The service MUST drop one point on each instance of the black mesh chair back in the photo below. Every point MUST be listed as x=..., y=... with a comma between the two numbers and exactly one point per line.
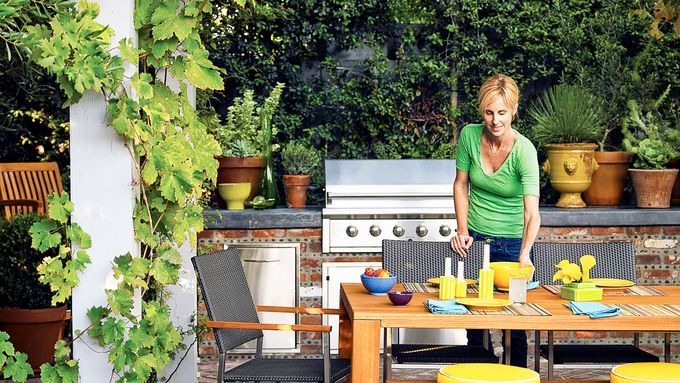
x=614, y=260
x=416, y=261
x=226, y=296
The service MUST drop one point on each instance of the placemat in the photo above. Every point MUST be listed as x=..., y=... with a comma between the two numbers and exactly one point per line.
x=640, y=310
x=633, y=290
x=531, y=309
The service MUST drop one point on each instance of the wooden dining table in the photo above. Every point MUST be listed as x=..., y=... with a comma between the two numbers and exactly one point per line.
x=364, y=315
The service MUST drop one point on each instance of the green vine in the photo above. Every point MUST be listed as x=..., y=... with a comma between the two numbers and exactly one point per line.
x=173, y=156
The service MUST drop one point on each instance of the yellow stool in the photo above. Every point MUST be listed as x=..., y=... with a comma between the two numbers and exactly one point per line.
x=651, y=372
x=486, y=372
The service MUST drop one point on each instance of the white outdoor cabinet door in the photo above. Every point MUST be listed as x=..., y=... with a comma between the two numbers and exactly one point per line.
x=333, y=274
x=271, y=271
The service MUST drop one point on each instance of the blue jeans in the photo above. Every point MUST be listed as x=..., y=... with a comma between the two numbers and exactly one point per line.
x=503, y=250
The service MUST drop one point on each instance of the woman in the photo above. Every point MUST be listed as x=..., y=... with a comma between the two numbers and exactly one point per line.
x=496, y=189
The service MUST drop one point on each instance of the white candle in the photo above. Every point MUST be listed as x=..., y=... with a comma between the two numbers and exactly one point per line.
x=487, y=256
x=461, y=264
x=447, y=266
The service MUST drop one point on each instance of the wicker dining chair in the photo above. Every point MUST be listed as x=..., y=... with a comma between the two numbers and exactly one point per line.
x=415, y=262
x=614, y=260
x=233, y=318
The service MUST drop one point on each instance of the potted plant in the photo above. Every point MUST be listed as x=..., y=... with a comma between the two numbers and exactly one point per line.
x=568, y=122
x=26, y=313
x=298, y=161
x=649, y=136
x=242, y=138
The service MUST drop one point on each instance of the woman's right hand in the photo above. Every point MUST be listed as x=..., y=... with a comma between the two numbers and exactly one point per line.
x=461, y=243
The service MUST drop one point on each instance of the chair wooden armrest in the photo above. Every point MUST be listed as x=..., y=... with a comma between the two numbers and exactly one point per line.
x=32, y=203
x=303, y=310
x=268, y=326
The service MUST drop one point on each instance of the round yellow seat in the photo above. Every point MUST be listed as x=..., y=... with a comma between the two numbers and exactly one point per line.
x=486, y=372
x=651, y=372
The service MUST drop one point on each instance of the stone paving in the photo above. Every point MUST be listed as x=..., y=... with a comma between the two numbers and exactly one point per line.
x=208, y=372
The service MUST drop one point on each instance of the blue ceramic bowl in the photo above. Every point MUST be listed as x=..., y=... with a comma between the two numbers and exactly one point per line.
x=400, y=298
x=378, y=286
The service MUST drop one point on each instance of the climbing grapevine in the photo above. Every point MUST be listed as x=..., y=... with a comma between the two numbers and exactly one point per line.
x=173, y=155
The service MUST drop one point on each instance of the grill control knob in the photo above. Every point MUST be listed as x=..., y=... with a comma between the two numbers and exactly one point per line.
x=375, y=230
x=398, y=231
x=444, y=230
x=421, y=230
x=352, y=231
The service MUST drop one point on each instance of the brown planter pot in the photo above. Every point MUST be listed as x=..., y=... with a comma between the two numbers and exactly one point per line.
x=241, y=169
x=653, y=187
x=34, y=331
x=675, y=194
x=296, y=190
x=608, y=181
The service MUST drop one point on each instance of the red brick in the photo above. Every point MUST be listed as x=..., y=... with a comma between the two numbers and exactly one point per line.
x=310, y=349
x=269, y=233
x=306, y=233
x=670, y=260
x=231, y=234
x=206, y=234
x=310, y=319
x=314, y=247
x=358, y=259
x=568, y=231
x=309, y=262
x=641, y=230
x=657, y=274
x=671, y=230
x=207, y=350
x=544, y=231
x=310, y=335
x=315, y=277
x=648, y=259
x=590, y=334
x=303, y=277
x=621, y=334
x=611, y=230
x=559, y=335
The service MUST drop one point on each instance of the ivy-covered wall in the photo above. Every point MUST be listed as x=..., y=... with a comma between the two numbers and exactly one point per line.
x=395, y=79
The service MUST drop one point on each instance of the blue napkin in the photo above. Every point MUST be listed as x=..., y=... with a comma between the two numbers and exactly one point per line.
x=593, y=309
x=532, y=285
x=445, y=307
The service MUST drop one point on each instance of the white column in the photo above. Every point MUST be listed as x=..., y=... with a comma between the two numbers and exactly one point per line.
x=101, y=189
x=183, y=296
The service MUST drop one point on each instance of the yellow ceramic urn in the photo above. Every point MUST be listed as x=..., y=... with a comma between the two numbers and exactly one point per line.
x=570, y=167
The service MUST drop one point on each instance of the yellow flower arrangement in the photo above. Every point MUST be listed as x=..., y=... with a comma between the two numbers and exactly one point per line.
x=570, y=272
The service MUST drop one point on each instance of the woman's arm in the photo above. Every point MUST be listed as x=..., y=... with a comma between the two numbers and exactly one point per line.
x=532, y=222
x=461, y=243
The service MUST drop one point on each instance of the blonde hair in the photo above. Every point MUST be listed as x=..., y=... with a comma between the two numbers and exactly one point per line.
x=498, y=85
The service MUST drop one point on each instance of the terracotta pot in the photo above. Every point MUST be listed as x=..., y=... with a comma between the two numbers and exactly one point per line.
x=675, y=194
x=570, y=167
x=608, y=181
x=241, y=169
x=296, y=190
x=34, y=331
x=653, y=187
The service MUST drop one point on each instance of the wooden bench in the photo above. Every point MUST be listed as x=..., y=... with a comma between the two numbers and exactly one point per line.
x=24, y=186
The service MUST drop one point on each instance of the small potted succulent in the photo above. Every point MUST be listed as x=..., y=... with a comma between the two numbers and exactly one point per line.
x=568, y=121
x=298, y=161
x=26, y=311
x=652, y=139
x=577, y=284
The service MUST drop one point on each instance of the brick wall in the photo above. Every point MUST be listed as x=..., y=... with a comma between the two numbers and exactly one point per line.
x=658, y=262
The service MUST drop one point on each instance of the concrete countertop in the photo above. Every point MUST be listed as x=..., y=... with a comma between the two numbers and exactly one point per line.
x=310, y=217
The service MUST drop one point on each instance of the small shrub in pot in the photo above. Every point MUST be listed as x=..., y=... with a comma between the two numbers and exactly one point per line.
x=298, y=161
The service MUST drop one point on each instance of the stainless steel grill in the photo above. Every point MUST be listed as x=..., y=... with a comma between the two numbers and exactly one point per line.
x=371, y=200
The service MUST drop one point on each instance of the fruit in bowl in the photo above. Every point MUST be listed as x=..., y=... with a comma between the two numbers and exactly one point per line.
x=400, y=298
x=503, y=270
x=379, y=283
